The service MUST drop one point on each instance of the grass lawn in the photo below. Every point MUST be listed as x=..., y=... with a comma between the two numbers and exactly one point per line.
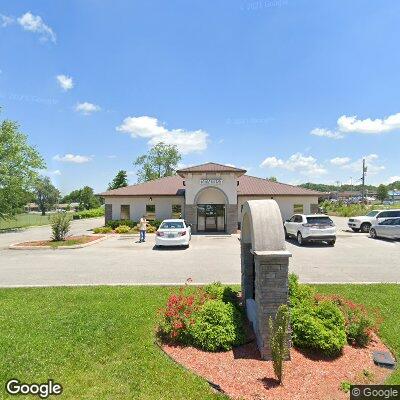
x=24, y=220
x=98, y=342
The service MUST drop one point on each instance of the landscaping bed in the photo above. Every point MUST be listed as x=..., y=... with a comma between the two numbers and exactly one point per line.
x=69, y=242
x=241, y=374
x=100, y=343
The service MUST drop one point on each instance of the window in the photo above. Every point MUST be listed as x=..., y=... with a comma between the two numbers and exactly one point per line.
x=319, y=220
x=298, y=218
x=125, y=212
x=176, y=211
x=384, y=214
x=150, y=212
x=172, y=225
x=298, y=208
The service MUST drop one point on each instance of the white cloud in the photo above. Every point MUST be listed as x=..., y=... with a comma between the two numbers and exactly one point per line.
x=340, y=161
x=326, y=133
x=111, y=156
x=6, y=20
x=369, y=126
x=306, y=165
x=66, y=82
x=71, y=158
x=371, y=161
x=393, y=179
x=87, y=108
x=35, y=23
x=353, y=124
x=150, y=128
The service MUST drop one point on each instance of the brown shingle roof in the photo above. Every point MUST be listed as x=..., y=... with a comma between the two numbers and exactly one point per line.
x=168, y=186
x=251, y=185
x=211, y=167
x=248, y=186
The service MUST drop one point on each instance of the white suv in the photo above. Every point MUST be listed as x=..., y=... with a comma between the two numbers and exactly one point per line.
x=363, y=223
x=307, y=228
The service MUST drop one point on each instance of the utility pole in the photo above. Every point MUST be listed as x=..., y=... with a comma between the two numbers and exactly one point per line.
x=363, y=181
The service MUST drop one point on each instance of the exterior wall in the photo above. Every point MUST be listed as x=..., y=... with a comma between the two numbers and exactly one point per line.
x=231, y=216
x=228, y=185
x=138, y=206
x=285, y=203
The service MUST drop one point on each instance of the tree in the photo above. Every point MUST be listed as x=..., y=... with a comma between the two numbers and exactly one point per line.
x=273, y=179
x=19, y=163
x=382, y=192
x=87, y=199
x=161, y=160
x=120, y=180
x=47, y=195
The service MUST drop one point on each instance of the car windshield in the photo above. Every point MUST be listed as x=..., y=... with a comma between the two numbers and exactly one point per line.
x=372, y=213
x=319, y=220
x=172, y=225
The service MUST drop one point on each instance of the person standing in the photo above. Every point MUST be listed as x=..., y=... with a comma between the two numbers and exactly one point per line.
x=142, y=229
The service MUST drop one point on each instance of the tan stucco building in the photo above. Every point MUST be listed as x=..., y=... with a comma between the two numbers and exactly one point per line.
x=209, y=196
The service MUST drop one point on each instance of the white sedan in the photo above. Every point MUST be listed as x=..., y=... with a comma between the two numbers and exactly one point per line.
x=173, y=232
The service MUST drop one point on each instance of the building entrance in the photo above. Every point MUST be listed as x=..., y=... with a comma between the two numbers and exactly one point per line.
x=211, y=217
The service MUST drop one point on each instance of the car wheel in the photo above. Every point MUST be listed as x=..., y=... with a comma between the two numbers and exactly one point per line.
x=373, y=234
x=286, y=234
x=332, y=243
x=356, y=229
x=365, y=227
x=300, y=239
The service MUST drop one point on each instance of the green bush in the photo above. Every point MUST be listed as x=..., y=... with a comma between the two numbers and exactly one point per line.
x=93, y=213
x=115, y=223
x=123, y=229
x=60, y=225
x=300, y=294
x=320, y=327
x=103, y=229
x=155, y=223
x=217, y=326
x=217, y=291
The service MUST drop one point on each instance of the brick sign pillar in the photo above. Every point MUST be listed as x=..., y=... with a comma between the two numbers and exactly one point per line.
x=264, y=265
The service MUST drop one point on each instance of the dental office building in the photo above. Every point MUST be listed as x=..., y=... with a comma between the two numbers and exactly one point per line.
x=208, y=196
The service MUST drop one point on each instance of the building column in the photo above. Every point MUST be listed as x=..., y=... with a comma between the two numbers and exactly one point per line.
x=231, y=211
x=107, y=212
x=191, y=216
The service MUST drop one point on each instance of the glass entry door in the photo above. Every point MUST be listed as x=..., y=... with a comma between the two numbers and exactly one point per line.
x=211, y=217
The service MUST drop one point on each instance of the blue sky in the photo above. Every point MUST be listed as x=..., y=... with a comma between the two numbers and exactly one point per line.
x=301, y=90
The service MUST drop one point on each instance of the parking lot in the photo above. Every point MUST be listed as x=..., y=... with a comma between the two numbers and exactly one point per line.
x=121, y=260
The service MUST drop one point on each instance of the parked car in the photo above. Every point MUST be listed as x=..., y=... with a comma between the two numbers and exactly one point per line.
x=364, y=223
x=389, y=228
x=173, y=232
x=311, y=228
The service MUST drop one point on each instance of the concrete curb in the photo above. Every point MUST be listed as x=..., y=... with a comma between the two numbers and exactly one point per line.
x=15, y=246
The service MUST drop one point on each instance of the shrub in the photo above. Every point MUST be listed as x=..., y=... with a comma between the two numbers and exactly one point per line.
x=122, y=229
x=151, y=229
x=359, y=323
x=217, y=291
x=178, y=314
x=93, y=213
x=299, y=294
x=115, y=223
x=155, y=223
x=278, y=330
x=320, y=327
x=60, y=225
x=217, y=326
x=103, y=229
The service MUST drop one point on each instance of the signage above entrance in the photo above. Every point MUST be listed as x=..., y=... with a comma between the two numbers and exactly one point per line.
x=212, y=181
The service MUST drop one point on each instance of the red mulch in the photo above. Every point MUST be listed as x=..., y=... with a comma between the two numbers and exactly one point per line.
x=82, y=240
x=242, y=374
